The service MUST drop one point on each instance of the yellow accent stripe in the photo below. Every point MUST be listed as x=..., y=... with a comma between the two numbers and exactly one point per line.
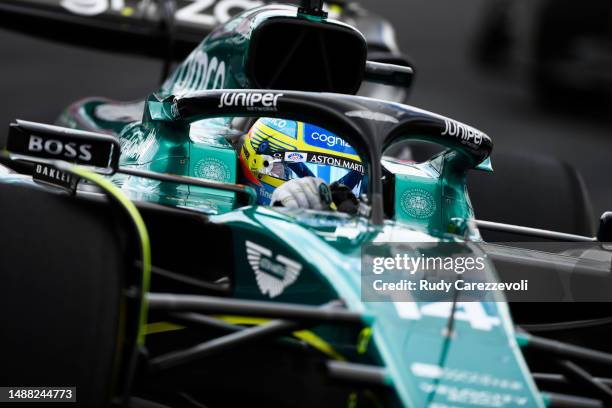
x=259, y=135
x=273, y=145
x=273, y=181
x=270, y=132
x=244, y=320
x=363, y=340
x=306, y=336
x=161, y=327
x=274, y=135
x=318, y=343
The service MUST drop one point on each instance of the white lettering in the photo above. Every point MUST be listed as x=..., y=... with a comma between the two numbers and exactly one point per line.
x=53, y=147
x=57, y=148
x=257, y=101
x=198, y=72
x=460, y=131
x=85, y=152
x=35, y=144
x=70, y=150
x=330, y=140
x=268, y=100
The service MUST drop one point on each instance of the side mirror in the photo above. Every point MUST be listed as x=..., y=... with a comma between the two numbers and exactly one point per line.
x=604, y=233
x=389, y=74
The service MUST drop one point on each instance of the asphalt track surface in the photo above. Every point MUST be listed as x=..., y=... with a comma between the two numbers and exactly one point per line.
x=39, y=78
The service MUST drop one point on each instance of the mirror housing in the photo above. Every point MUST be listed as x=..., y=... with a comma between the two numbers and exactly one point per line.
x=389, y=74
x=274, y=47
x=604, y=233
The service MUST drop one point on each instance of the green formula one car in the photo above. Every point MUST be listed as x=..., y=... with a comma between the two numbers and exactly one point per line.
x=145, y=263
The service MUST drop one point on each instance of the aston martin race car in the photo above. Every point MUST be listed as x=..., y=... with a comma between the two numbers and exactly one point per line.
x=139, y=270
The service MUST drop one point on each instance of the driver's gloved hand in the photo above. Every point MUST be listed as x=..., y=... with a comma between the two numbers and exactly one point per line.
x=306, y=192
x=345, y=200
x=312, y=193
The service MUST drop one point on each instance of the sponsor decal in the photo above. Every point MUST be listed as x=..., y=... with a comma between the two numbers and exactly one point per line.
x=286, y=127
x=296, y=157
x=431, y=371
x=465, y=133
x=329, y=140
x=264, y=193
x=375, y=116
x=470, y=396
x=198, y=72
x=213, y=169
x=319, y=158
x=418, y=203
x=136, y=144
x=61, y=144
x=253, y=101
x=336, y=162
x=318, y=137
x=273, y=275
x=278, y=124
x=50, y=175
x=476, y=314
x=71, y=150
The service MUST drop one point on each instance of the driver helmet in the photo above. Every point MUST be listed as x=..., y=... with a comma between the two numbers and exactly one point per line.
x=278, y=150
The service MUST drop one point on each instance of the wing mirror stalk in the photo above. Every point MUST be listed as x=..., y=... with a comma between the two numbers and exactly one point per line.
x=389, y=74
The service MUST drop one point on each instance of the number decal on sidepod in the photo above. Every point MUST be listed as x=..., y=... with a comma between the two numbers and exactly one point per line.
x=471, y=312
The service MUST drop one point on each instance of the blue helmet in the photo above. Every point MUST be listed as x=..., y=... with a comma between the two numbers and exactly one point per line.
x=278, y=150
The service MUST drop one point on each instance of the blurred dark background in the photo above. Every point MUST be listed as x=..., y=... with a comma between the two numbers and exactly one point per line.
x=458, y=48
